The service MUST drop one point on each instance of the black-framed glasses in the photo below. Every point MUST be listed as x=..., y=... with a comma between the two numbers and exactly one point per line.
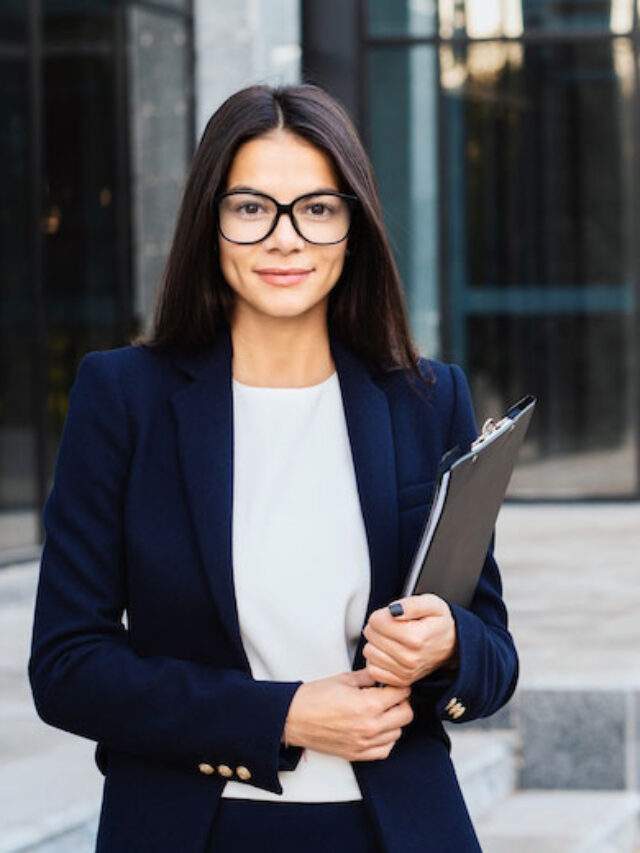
x=322, y=218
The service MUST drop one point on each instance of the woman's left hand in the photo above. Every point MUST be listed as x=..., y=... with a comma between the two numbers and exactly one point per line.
x=402, y=649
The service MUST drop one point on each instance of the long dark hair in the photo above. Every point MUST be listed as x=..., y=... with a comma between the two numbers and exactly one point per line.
x=366, y=307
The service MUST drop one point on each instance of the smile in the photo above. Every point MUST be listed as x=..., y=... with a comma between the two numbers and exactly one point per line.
x=283, y=277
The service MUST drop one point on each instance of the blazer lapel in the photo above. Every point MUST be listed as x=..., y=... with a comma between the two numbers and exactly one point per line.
x=204, y=420
x=372, y=448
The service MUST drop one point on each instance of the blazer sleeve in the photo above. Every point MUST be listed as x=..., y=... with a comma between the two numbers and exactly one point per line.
x=84, y=675
x=488, y=667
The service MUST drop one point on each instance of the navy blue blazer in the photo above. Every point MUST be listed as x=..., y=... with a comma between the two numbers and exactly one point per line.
x=138, y=522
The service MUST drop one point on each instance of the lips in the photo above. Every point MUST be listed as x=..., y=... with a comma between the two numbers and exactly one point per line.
x=283, y=276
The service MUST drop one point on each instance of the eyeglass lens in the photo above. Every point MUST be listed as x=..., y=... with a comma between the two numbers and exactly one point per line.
x=247, y=218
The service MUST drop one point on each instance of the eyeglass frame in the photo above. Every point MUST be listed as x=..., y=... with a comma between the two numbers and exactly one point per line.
x=287, y=209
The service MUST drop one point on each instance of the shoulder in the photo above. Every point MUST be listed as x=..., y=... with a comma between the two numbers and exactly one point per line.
x=129, y=369
x=444, y=383
x=442, y=403
x=123, y=359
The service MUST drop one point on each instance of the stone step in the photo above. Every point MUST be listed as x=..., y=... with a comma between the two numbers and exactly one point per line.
x=574, y=738
x=486, y=766
x=561, y=822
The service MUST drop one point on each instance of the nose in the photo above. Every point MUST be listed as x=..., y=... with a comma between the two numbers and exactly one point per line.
x=284, y=236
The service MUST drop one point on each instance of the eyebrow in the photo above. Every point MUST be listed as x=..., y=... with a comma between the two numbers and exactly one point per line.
x=245, y=188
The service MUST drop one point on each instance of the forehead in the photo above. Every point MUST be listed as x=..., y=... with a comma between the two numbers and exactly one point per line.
x=283, y=165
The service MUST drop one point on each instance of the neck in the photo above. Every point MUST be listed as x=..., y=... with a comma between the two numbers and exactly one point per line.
x=281, y=354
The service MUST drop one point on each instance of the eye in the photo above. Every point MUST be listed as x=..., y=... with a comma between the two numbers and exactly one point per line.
x=319, y=209
x=250, y=208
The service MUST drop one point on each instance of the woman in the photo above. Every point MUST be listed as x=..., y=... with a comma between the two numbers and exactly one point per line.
x=248, y=485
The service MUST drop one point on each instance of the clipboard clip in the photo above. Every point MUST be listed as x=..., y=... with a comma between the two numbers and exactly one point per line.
x=488, y=428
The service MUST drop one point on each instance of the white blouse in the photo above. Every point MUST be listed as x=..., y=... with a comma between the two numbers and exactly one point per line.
x=300, y=557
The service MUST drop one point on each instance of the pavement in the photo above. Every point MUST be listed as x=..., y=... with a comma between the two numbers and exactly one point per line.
x=570, y=575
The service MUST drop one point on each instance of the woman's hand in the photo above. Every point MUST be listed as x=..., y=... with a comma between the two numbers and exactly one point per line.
x=347, y=715
x=404, y=648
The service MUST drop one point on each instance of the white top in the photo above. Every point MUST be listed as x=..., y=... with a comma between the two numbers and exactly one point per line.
x=300, y=557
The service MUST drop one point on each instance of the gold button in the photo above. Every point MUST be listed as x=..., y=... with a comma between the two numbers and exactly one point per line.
x=225, y=770
x=243, y=773
x=207, y=769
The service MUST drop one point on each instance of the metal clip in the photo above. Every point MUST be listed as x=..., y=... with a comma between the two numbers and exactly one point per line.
x=488, y=427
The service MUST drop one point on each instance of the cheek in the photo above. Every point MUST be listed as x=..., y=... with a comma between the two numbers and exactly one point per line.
x=234, y=262
x=332, y=265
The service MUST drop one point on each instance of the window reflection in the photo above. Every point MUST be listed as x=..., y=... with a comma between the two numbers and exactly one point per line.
x=539, y=178
x=621, y=16
x=401, y=17
x=403, y=147
x=481, y=19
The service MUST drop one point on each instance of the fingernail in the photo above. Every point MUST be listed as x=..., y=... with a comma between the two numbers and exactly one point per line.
x=396, y=609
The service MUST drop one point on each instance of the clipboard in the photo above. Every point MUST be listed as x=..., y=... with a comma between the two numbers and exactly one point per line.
x=470, y=490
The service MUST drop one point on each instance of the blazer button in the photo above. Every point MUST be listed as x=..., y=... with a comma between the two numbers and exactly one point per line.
x=207, y=769
x=243, y=773
x=225, y=770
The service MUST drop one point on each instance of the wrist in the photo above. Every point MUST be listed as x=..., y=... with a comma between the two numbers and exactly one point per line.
x=289, y=736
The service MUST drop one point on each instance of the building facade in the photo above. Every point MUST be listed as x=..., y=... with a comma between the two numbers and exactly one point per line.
x=505, y=137
x=96, y=132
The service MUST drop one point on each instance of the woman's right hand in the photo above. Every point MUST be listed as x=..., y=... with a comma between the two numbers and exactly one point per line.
x=347, y=715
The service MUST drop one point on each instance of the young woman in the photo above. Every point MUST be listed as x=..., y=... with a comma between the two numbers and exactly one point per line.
x=248, y=485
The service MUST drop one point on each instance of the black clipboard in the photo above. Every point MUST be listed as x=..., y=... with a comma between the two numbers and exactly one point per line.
x=470, y=490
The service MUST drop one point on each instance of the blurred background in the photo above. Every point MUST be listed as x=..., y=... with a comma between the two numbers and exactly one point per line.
x=506, y=139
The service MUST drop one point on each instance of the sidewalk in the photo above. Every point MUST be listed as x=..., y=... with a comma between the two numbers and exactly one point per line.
x=571, y=577
x=572, y=584
x=48, y=781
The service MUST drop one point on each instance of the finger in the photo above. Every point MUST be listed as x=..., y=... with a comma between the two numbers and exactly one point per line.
x=390, y=734
x=379, y=658
x=409, y=637
x=407, y=632
x=390, y=694
x=400, y=716
x=378, y=753
x=417, y=606
x=387, y=677
x=362, y=678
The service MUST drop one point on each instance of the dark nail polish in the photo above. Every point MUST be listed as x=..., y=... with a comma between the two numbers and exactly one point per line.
x=396, y=609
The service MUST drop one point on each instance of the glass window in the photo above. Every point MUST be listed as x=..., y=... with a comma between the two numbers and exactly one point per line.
x=13, y=22
x=17, y=414
x=539, y=172
x=401, y=18
x=182, y=5
x=403, y=147
x=65, y=20
x=480, y=18
x=603, y=15
x=582, y=439
x=79, y=223
x=493, y=18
